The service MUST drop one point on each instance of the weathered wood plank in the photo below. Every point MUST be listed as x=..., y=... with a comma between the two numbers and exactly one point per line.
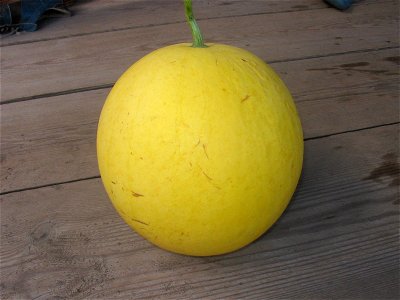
x=94, y=60
x=102, y=16
x=53, y=139
x=338, y=239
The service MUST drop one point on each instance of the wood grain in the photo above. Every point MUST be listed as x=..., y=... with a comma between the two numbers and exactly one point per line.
x=103, y=16
x=338, y=239
x=99, y=59
x=52, y=140
x=61, y=238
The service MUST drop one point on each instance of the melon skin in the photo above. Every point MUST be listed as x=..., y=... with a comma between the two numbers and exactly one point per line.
x=200, y=149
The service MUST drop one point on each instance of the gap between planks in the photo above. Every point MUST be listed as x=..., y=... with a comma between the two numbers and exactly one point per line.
x=220, y=9
x=93, y=18
x=98, y=176
x=110, y=85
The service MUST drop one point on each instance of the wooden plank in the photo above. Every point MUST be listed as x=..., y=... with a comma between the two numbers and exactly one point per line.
x=103, y=16
x=53, y=139
x=338, y=239
x=56, y=66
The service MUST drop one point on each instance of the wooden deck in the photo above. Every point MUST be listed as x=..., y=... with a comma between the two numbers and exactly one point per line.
x=339, y=238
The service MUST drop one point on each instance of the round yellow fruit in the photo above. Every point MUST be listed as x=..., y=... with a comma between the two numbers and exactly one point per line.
x=200, y=149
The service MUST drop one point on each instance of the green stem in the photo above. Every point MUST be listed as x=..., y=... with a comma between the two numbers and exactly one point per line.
x=196, y=33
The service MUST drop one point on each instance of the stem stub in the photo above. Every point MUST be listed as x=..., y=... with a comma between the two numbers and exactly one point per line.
x=194, y=27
